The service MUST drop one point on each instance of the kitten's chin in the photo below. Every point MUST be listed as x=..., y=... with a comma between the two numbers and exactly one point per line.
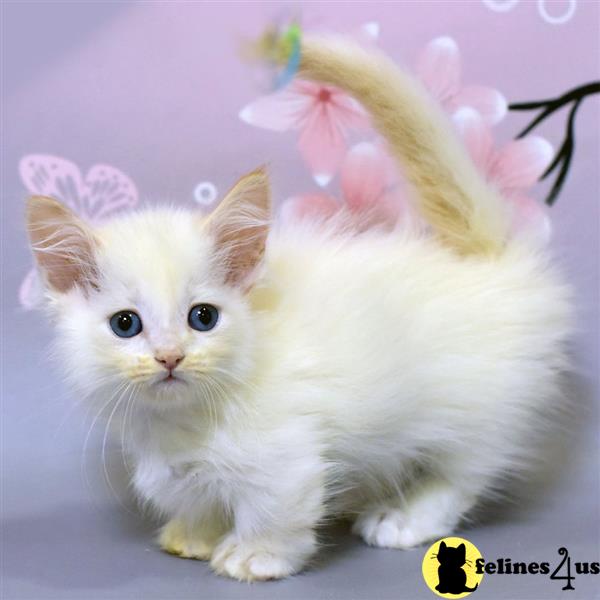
x=167, y=393
x=170, y=381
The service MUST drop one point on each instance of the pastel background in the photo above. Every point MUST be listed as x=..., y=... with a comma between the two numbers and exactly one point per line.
x=154, y=88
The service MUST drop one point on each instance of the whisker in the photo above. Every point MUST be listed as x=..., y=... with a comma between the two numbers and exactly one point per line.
x=128, y=407
x=128, y=387
x=87, y=437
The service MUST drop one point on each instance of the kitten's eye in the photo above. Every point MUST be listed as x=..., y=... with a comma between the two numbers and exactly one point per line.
x=126, y=323
x=203, y=317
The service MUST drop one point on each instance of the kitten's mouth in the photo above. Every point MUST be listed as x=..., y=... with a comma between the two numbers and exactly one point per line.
x=169, y=380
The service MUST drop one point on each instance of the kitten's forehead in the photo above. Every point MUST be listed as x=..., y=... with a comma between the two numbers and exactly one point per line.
x=156, y=257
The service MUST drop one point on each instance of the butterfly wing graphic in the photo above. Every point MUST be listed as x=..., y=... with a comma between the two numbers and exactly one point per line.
x=48, y=175
x=104, y=191
x=108, y=191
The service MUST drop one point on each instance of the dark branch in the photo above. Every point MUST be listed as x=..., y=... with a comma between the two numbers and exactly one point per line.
x=565, y=154
x=567, y=151
x=575, y=94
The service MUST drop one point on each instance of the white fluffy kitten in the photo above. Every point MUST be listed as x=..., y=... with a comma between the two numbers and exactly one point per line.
x=282, y=375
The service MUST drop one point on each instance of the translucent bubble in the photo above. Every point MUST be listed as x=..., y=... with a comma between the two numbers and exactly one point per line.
x=205, y=193
x=501, y=5
x=559, y=19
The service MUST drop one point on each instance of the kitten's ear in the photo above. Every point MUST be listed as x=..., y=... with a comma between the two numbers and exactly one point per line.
x=462, y=549
x=240, y=225
x=62, y=244
x=442, y=546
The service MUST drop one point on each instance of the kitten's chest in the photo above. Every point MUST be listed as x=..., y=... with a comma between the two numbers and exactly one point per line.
x=193, y=475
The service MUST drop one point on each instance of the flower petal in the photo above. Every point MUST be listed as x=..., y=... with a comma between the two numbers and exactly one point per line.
x=530, y=218
x=348, y=113
x=369, y=32
x=488, y=102
x=280, y=111
x=392, y=206
x=521, y=163
x=438, y=67
x=363, y=176
x=307, y=88
x=309, y=206
x=394, y=174
x=322, y=143
x=476, y=136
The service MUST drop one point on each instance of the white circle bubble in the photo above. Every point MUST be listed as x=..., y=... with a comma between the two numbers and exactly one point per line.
x=205, y=193
x=500, y=5
x=559, y=19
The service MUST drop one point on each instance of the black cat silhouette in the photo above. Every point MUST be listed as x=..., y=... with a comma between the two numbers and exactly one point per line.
x=453, y=579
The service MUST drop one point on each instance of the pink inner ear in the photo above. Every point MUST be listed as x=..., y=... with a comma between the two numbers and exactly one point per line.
x=62, y=245
x=309, y=206
x=240, y=225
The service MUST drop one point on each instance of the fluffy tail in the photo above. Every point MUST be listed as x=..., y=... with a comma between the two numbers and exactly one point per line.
x=466, y=214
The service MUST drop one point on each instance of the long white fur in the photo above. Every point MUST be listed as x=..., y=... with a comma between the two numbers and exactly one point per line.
x=380, y=376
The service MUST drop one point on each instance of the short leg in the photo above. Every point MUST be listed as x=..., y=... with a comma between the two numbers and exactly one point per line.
x=433, y=510
x=190, y=541
x=274, y=528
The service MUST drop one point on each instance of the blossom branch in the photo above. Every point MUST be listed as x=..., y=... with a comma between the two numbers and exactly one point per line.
x=562, y=160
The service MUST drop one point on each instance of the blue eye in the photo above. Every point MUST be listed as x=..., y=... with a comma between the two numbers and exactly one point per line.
x=203, y=317
x=126, y=323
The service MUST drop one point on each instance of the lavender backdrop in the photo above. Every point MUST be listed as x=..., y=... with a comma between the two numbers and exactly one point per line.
x=155, y=88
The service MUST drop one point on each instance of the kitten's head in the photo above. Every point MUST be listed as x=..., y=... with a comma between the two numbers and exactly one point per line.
x=450, y=556
x=154, y=301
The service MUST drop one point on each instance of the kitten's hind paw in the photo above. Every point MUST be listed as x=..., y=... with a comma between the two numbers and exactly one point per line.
x=389, y=527
x=258, y=560
x=431, y=512
x=176, y=539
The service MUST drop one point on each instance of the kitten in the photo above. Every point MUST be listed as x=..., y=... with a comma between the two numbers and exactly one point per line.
x=273, y=376
x=452, y=577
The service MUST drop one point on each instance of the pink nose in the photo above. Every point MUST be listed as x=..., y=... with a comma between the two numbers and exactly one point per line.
x=169, y=359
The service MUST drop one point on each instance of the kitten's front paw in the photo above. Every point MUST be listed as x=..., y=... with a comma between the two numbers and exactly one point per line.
x=175, y=538
x=388, y=527
x=260, y=560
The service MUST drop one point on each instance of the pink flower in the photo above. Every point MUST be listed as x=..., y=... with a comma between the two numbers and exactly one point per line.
x=439, y=69
x=322, y=114
x=371, y=189
x=513, y=169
